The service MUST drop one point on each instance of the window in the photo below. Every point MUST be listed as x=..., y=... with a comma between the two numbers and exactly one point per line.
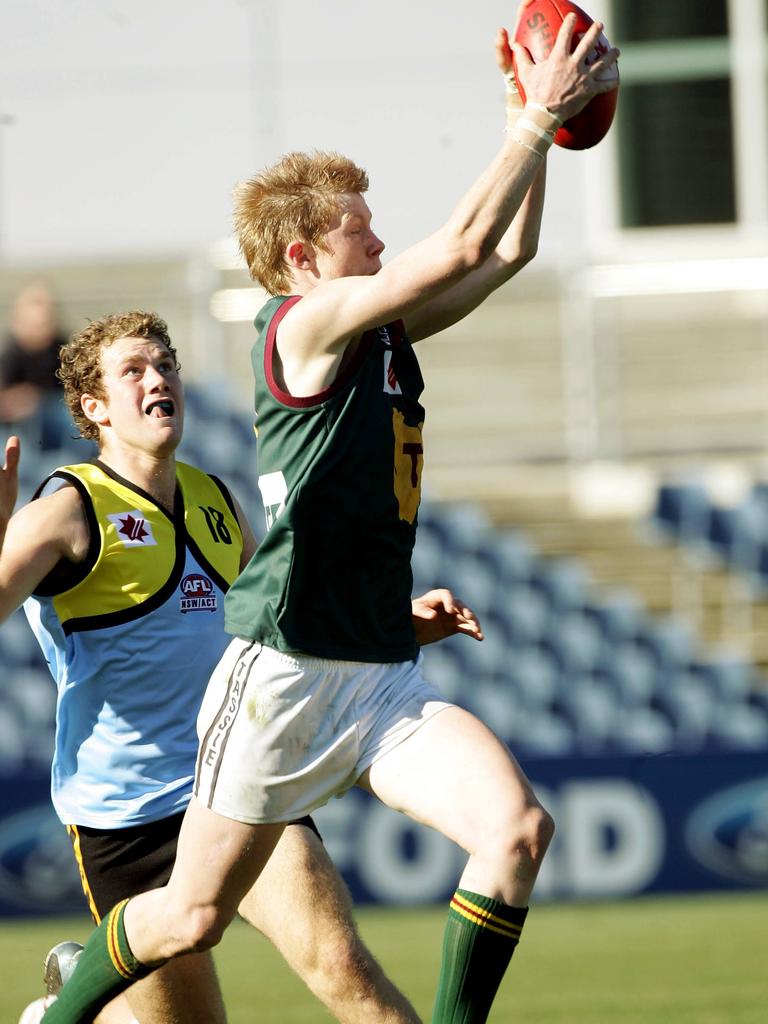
x=662, y=20
x=676, y=153
x=674, y=120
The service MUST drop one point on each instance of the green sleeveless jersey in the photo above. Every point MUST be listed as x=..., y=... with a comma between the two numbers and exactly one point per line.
x=340, y=477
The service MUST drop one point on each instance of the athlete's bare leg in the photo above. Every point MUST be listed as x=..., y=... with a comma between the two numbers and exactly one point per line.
x=300, y=885
x=116, y=1012
x=217, y=862
x=184, y=991
x=301, y=904
x=455, y=775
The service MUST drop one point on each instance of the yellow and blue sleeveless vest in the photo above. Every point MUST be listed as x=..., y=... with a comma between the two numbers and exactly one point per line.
x=131, y=636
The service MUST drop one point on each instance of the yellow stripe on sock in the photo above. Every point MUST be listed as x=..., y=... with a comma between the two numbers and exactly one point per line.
x=484, y=918
x=481, y=923
x=74, y=835
x=113, y=946
x=482, y=912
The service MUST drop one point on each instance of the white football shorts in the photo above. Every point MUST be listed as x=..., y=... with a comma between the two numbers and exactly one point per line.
x=280, y=734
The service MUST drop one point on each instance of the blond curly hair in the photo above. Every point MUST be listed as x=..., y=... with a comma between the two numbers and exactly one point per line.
x=295, y=199
x=80, y=368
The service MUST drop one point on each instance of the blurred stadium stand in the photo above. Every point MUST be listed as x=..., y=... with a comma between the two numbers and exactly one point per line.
x=561, y=419
x=568, y=666
x=612, y=646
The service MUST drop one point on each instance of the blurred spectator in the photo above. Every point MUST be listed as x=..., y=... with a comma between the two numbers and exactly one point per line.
x=30, y=393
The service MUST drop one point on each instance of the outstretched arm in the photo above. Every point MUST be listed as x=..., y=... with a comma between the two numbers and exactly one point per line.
x=335, y=311
x=438, y=614
x=517, y=247
x=36, y=537
x=9, y=484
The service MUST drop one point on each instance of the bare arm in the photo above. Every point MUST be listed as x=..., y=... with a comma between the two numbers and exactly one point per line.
x=334, y=312
x=9, y=484
x=36, y=537
x=516, y=249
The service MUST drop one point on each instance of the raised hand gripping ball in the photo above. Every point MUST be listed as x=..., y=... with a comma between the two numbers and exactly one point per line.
x=536, y=31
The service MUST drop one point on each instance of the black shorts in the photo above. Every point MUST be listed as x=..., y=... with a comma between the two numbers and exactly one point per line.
x=121, y=862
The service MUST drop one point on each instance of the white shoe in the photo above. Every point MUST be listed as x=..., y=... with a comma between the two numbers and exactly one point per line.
x=59, y=964
x=57, y=969
x=34, y=1012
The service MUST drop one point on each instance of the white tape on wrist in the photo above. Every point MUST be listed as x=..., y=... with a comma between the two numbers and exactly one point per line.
x=558, y=121
x=530, y=126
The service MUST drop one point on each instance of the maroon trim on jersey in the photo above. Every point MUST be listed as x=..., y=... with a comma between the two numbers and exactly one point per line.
x=397, y=331
x=306, y=401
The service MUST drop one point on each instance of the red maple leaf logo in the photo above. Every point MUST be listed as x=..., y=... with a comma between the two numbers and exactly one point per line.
x=133, y=529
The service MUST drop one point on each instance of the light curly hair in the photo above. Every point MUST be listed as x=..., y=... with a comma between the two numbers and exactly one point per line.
x=80, y=368
x=295, y=199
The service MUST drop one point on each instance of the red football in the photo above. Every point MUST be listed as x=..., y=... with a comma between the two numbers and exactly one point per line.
x=537, y=31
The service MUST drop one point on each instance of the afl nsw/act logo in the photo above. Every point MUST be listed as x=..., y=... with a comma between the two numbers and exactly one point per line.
x=197, y=594
x=728, y=833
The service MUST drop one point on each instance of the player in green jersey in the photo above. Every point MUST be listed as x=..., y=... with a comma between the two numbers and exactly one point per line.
x=321, y=689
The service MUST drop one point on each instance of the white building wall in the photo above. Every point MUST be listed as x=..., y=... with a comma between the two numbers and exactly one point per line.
x=125, y=124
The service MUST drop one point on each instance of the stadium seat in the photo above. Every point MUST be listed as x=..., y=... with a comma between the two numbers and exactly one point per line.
x=221, y=449
x=459, y=526
x=535, y=675
x=758, y=699
x=644, y=730
x=592, y=707
x=761, y=577
x=671, y=641
x=445, y=668
x=428, y=559
x=576, y=641
x=632, y=669
x=681, y=512
x=742, y=726
x=34, y=693
x=526, y=612
x=13, y=745
x=473, y=578
x=732, y=679
x=491, y=656
x=692, y=706
x=565, y=582
x=515, y=557
x=619, y=615
x=736, y=534
x=497, y=703
x=543, y=732
x=18, y=645
x=760, y=492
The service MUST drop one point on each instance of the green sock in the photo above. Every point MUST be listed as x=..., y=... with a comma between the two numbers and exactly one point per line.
x=480, y=937
x=104, y=969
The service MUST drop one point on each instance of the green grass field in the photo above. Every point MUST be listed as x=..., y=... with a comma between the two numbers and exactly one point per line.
x=693, y=960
